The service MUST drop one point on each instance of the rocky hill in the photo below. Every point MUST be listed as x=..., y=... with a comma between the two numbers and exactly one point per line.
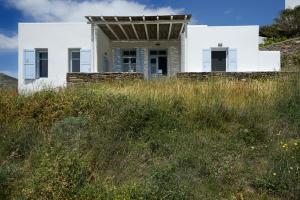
x=290, y=52
x=8, y=81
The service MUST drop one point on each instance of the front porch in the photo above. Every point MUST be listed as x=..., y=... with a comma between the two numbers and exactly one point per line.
x=150, y=45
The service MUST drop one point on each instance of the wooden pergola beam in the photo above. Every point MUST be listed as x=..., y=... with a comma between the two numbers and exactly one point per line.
x=111, y=30
x=157, y=28
x=146, y=29
x=135, y=32
x=123, y=30
x=170, y=29
x=182, y=26
x=140, y=22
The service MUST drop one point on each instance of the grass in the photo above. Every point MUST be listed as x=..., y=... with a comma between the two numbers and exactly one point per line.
x=162, y=139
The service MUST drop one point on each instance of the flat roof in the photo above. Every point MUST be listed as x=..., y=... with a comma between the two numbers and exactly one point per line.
x=160, y=27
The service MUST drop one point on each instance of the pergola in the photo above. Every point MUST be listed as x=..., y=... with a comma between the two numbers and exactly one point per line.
x=135, y=28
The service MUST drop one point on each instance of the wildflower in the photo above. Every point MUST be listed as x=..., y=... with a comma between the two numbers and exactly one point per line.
x=285, y=146
x=252, y=148
x=274, y=174
x=296, y=144
x=246, y=131
x=291, y=168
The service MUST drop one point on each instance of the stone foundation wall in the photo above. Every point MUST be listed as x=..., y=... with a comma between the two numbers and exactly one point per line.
x=232, y=75
x=99, y=77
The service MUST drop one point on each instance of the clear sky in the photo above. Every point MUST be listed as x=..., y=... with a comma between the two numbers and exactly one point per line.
x=210, y=12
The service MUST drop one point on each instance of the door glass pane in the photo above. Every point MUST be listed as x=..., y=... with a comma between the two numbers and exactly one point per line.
x=133, y=67
x=126, y=60
x=76, y=55
x=75, y=65
x=126, y=53
x=153, y=60
x=43, y=68
x=125, y=67
x=153, y=53
x=43, y=55
x=133, y=60
x=133, y=53
x=162, y=53
x=153, y=65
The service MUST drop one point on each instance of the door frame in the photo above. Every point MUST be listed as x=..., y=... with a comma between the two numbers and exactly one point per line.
x=157, y=60
x=226, y=49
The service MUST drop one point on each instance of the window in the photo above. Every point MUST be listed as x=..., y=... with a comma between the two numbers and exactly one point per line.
x=42, y=63
x=74, y=60
x=129, y=60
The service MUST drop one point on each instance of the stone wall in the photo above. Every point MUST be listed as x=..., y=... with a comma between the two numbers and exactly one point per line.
x=99, y=77
x=174, y=64
x=232, y=75
x=288, y=47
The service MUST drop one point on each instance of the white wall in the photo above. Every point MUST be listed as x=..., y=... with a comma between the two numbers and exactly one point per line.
x=103, y=46
x=244, y=38
x=269, y=61
x=58, y=38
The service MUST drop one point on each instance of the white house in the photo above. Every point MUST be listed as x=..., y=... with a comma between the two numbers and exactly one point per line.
x=291, y=4
x=150, y=45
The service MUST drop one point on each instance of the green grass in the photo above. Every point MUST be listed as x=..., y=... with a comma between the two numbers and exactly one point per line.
x=163, y=139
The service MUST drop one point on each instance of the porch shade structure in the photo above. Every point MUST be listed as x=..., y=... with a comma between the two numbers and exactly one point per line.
x=141, y=28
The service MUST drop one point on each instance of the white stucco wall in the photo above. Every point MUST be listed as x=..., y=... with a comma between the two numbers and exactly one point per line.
x=103, y=46
x=58, y=38
x=269, y=61
x=243, y=38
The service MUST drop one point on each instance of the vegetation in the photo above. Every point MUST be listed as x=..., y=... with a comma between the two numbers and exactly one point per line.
x=162, y=139
x=8, y=82
x=286, y=26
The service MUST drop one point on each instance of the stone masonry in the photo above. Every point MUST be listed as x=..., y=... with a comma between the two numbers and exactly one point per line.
x=99, y=77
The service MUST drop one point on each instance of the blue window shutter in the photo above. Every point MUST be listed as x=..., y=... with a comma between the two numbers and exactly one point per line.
x=29, y=64
x=140, y=60
x=85, y=60
x=206, y=60
x=117, y=67
x=232, y=60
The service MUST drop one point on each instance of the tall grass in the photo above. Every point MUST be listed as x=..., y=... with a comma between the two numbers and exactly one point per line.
x=161, y=139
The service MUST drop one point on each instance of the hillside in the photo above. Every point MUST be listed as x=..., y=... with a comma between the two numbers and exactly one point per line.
x=8, y=82
x=161, y=139
x=290, y=53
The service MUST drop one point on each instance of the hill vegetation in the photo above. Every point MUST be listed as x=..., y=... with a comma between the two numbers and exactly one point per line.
x=8, y=82
x=285, y=26
x=162, y=139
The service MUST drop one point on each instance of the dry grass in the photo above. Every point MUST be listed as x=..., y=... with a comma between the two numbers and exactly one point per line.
x=162, y=139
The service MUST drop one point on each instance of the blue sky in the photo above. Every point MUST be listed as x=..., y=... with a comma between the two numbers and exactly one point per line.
x=210, y=12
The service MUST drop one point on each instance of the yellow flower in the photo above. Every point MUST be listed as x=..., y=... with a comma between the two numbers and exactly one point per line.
x=296, y=144
x=274, y=174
